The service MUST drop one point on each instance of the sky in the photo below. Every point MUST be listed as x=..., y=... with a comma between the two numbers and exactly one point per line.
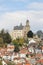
x=14, y=12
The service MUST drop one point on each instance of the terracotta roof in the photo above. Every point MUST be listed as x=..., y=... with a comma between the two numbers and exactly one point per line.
x=23, y=51
x=38, y=55
x=40, y=61
x=17, y=58
x=28, y=52
x=19, y=64
x=42, y=48
x=27, y=64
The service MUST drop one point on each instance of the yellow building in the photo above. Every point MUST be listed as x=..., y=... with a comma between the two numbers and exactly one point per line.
x=20, y=31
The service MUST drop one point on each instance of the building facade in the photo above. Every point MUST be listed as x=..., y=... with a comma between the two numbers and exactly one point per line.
x=20, y=31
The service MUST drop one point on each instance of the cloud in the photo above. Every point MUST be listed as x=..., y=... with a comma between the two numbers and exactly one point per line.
x=35, y=6
x=10, y=19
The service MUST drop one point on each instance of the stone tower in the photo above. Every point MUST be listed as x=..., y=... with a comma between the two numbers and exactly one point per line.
x=27, y=23
x=26, y=28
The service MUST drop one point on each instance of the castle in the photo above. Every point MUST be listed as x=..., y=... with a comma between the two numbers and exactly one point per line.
x=20, y=31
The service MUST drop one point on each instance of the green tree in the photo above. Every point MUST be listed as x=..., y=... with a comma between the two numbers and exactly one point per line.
x=15, y=42
x=16, y=49
x=27, y=55
x=0, y=62
x=7, y=38
x=19, y=41
x=1, y=40
x=30, y=34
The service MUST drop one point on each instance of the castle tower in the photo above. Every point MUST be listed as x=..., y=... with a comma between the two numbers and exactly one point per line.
x=27, y=23
x=26, y=28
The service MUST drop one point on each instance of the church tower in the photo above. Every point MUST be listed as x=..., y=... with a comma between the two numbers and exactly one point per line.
x=26, y=28
x=27, y=23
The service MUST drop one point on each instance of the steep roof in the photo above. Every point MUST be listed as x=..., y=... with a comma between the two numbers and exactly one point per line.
x=18, y=27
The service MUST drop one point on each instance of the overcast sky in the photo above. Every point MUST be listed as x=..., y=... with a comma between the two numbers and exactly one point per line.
x=13, y=12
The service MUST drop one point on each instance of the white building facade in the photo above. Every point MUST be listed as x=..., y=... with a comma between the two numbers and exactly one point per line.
x=20, y=31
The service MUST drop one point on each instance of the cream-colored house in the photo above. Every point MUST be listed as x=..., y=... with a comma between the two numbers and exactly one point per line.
x=20, y=31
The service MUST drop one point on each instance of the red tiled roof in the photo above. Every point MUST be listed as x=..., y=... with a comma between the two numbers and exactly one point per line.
x=27, y=64
x=19, y=64
x=42, y=48
x=23, y=51
x=41, y=60
x=39, y=55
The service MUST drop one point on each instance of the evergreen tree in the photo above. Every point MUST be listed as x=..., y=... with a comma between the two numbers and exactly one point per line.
x=30, y=34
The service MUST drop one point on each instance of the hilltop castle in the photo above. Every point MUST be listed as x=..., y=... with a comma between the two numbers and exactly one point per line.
x=20, y=31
